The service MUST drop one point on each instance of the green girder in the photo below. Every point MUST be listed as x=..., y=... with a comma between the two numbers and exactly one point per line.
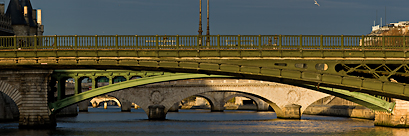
x=123, y=85
x=360, y=98
x=363, y=99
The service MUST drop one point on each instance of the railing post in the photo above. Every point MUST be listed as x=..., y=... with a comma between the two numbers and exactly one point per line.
x=239, y=42
x=157, y=45
x=35, y=42
x=404, y=46
x=280, y=43
x=137, y=42
x=177, y=45
x=177, y=42
x=157, y=42
x=300, y=41
x=75, y=42
x=342, y=42
x=259, y=42
x=96, y=42
x=321, y=42
x=218, y=42
x=55, y=42
x=15, y=42
x=198, y=42
x=116, y=42
x=383, y=42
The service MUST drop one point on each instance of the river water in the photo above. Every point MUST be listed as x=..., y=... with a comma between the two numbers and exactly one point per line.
x=113, y=122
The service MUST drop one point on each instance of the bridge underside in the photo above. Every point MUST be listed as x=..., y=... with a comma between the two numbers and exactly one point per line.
x=364, y=99
x=371, y=65
x=367, y=75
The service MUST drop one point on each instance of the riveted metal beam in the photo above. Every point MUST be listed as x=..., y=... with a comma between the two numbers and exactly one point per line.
x=363, y=99
x=123, y=85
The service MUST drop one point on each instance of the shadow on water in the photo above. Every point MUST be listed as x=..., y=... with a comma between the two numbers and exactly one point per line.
x=113, y=122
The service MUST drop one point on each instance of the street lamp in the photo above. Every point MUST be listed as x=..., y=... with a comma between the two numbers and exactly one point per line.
x=200, y=23
x=208, y=32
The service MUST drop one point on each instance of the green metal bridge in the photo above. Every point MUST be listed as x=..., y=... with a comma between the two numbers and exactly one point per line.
x=372, y=65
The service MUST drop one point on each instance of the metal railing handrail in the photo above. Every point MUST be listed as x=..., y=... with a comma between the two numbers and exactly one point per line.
x=197, y=42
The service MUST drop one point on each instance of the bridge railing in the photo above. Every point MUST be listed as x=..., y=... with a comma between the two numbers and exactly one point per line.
x=219, y=42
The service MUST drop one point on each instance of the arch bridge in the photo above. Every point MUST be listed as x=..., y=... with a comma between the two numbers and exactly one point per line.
x=372, y=65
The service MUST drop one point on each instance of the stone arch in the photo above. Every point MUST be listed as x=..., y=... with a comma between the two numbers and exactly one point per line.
x=258, y=101
x=100, y=99
x=279, y=96
x=132, y=97
x=154, y=93
x=11, y=92
x=213, y=103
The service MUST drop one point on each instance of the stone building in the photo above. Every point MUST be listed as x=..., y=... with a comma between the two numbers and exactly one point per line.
x=20, y=19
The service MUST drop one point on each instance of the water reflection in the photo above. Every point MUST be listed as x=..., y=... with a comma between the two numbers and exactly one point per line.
x=108, y=122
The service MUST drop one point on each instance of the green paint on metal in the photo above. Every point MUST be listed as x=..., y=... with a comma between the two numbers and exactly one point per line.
x=123, y=85
x=366, y=100
x=364, y=63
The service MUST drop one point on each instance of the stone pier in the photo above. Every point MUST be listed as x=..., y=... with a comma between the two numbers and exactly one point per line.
x=292, y=111
x=398, y=118
x=29, y=89
x=157, y=112
x=126, y=106
x=174, y=108
x=83, y=106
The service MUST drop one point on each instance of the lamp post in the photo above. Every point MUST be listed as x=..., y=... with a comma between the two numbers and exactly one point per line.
x=200, y=23
x=207, y=32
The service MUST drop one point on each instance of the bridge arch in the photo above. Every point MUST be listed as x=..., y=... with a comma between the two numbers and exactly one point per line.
x=168, y=93
x=149, y=96
x=97, y=100
x=260, y=103
x=11, y=92
x=218, y=99
x=214, y=104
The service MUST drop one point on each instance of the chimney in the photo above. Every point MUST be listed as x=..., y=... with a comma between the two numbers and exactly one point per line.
x=2, y=8
x=39, y=17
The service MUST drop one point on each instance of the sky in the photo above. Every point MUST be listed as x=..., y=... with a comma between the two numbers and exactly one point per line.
x=227, y=17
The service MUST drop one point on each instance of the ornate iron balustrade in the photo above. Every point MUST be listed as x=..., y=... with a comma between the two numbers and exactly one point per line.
x=219, y=42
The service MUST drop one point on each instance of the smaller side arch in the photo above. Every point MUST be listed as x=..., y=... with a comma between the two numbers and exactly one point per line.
x=11, y=92
x=216, y=106
x=99, y=99
x=261, y=104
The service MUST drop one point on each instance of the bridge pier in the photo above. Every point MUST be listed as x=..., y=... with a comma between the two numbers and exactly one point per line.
x=33, y=87
x=217, y=107
x=398, y=118
x=174, y=108
x=157, y=112
x=126, y=106
x=292, y=111
x=83, y=106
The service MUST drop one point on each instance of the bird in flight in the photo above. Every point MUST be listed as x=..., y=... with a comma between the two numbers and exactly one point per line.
x=316, y=3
